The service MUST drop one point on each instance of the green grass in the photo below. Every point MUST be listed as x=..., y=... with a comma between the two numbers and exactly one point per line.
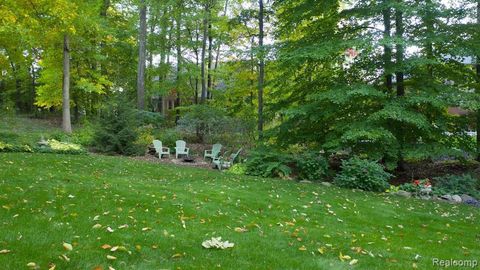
x=48, y=199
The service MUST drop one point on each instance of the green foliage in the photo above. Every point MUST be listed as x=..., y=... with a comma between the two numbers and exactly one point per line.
x=168, y=137
x=238, y=169
x=207, y=122
x=267, y=162
x=362, y=174
x=153, y=119
x=116, y=130
x=457, y=184
x=311, y=166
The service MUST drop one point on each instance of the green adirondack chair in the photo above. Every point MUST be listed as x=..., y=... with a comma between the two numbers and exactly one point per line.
x=181, y=148
x=223, y=163
x=216, y=148
x=160, y=149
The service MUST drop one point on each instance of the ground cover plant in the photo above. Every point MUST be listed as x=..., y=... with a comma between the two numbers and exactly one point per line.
x=157, y=216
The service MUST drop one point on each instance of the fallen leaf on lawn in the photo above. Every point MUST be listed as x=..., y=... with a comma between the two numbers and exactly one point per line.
x=67, y=246
x=97, y=226
x=4, y=251
x=321, y=250
x=114, y=248
x=32, y=265
x=52, y=267
x=96, y=218
x=110, y=230
x=123, y=226
x=111, y=268
x=240, y=230
x=177, y=255
x=354, y=261
x=64, y=257
x=343, y=257
x=106, y=246
x=110, y=257
x=146, y=229
x=302, y=248
x=98, y=268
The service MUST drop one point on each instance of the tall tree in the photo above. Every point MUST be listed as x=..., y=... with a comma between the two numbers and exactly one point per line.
x=387, y=48
x=203, y=53
x=142, y=40
x=66, y=121
x=261, y=73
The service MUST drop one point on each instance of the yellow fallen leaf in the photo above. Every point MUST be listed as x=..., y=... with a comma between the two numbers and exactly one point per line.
x=240, y=230
x=64, y=257
x=4, y=251
x=106, y=246
x=97, y=226
x=67, y=246
x=321, y=250
x=52, y=267
x=32, y=265
x=177, y=255
x=302, y=248
x=354, y=261
x=110, y=257
x=111, y=268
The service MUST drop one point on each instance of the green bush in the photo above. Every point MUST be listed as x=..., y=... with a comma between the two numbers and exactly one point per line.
x=269, y=162
x=362, y=174
x=238, y=169
x=10, y=147
x=146, y=118
x=84, y=135
x=169, y=136
x=54, y=146
x=457, y=185
x=311, y=166
x=116, y=129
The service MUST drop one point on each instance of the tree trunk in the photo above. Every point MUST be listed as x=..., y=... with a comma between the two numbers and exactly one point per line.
x=261, y=74
x=478, y=85
x=429, y=21
x=179, y=58
x=66, y=121
x=387, y=55
x=210, y=59
x=141, y=56
x=400, y=51
x=204, y=48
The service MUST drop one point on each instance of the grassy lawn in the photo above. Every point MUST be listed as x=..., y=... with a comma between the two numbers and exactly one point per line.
x=49, y=199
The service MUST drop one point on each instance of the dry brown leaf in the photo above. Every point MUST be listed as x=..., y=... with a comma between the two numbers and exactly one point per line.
x=106, y=246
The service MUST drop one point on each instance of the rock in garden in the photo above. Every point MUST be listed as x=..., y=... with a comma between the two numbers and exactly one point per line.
x=446, y=197
x=327, y=184
x=305, y=182
x=456, y=198
x=466, y=197
x=403, y=193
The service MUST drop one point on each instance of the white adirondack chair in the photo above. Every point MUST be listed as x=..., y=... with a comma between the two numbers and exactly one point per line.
x=181, y=148
x=160, y=149
x=216, y=148
x=225, y=163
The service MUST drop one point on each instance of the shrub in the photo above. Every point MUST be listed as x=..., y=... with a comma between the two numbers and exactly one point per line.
x=238, y=169
x=206, y=122
x=84, y=135
x=311, y=166
x=153, y=119
x=457, y=184
x=269, y=162
x=116, y=129
x=362, y=174
x=168, y=137
x=54, y=146
x=145, y=137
